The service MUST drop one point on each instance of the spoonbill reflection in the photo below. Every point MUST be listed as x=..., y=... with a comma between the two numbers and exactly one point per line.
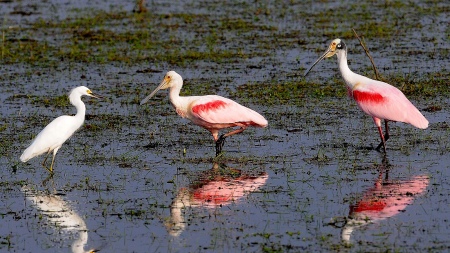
x=60, y=214
x=378, y=99
x=211, y=112
x=385, y=199
x=217, y=187
x=52, y=137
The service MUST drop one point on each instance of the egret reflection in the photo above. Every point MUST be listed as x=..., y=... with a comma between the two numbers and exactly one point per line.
x=59, y=214
x=385, y=199
x=216, y=187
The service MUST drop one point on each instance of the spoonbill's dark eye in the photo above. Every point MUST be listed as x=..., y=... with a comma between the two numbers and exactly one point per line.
x=341, y=45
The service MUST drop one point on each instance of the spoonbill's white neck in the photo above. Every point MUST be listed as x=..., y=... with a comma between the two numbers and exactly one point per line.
x=174, y=94
x=347, y=74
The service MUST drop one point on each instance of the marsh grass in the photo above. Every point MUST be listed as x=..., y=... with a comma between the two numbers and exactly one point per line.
x=299, y=92
x=92, y=38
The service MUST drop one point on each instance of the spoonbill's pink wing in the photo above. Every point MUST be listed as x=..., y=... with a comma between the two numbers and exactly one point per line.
x=219, y=110
x=384, y=101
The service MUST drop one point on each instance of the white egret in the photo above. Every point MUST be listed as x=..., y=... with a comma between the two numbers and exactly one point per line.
x=59, y=130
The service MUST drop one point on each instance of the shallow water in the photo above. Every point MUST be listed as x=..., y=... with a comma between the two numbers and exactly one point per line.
x=141, y=179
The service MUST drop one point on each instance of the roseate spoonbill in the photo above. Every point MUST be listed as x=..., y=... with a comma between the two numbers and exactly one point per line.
x=59, y=130
x=211, y=112
x=378, y=99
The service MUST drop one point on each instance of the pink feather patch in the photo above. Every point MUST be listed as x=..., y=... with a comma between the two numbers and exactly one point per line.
x=362, y=96
x=208, y=106
x=370, y=205
x=213, y=197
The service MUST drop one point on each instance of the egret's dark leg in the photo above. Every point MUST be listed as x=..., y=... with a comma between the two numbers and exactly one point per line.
x=53, y=160
x=46, y=156
x=383, y=137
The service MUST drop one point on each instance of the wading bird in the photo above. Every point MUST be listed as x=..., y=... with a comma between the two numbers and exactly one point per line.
x=378, y=99
x=211, y=112
x=59, y=130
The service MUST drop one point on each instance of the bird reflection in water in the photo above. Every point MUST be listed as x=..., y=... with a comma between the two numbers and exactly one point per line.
x=60, y=214
x=385, y=199
x=213, y=188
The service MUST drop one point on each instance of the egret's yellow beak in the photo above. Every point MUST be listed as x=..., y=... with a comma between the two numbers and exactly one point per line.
x=90, y=94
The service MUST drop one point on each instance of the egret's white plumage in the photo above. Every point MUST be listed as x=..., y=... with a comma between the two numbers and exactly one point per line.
x=211, y=112
x=378, y=99
x=59, y=130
